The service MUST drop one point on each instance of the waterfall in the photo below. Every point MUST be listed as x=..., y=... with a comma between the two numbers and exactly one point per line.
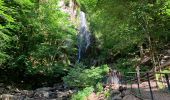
x=83, y=37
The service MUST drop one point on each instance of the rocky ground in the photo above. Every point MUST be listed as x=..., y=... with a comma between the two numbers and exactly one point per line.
x=58, y=92
x=46, y=93
x=119, y=93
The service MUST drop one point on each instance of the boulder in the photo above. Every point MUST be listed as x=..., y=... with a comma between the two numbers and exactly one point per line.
x=1, y=90
x=27, y=93
x=53, y=95
x=117, y=97
x=44, y=89
x=62, y=94
x=42, y=94
x=115, y=92
x=17, y=90
x=1, y=84
x=130, y=97
x=9, y=87
x=8, y=97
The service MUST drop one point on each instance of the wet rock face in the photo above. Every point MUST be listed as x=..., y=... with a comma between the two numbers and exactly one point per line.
x=44, y=93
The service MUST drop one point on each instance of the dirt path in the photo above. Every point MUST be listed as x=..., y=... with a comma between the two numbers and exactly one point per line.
x=145, y=91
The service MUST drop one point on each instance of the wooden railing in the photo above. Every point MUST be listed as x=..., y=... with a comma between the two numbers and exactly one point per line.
x=133, y=78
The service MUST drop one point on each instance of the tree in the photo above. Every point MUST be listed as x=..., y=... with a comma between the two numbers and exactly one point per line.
x=125, y=26
x=43, y=39
x=5, y=36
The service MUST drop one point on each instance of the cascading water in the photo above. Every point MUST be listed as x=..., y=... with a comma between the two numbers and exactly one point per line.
x=83, y=37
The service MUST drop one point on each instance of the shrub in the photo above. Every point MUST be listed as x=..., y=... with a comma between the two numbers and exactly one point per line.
x=79, y=76
x=99, y=87
x=82, y=95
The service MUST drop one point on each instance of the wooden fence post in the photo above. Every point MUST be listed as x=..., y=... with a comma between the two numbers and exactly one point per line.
x=138, y=81
x=167, y=80
x=150, y=86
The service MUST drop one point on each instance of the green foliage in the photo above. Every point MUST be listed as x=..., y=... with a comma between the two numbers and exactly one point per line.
x=110, y=22
x=52, y=54
x=99, y=87
x=81, y=77
x=107, y=94
x=41, y=39
x=87, y=5
x=122, y=26
x=36, y=37
x=53, y=70
x=26, y=3
x=161, y=77
x=5, y=37
x=82, y=95
x=126, y=65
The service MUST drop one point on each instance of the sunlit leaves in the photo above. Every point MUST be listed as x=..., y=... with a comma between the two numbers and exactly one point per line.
x=42, y=39
x=58, y=34
x=5, y=22
x=87, y=5
x=80, y=76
